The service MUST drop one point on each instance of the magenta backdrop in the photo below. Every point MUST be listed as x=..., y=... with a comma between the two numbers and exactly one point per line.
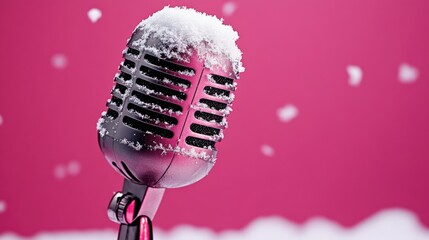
x=351, y=150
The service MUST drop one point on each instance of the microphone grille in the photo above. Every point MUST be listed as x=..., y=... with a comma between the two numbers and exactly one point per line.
x=168, y=106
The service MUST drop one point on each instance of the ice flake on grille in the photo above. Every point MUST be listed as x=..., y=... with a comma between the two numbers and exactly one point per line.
x=100, y=127
x=185, y=152
x=187, y=73
x=137, y=101
x=135, y=145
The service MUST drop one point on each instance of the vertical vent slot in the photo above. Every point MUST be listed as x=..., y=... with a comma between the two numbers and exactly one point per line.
x=129, y=64
x=150, y=115
x=147, y=128
x=120, y=88
x=124, y=76
x=163, y=77
x=120, y=170
x=213, y=104
x=208, y=117
x=220, y=80
x=129, y=172
x=151, y=100
x=160, y=90
x=197, y=128
x=201, y=143
x=215, y=91
x=112, y=114
x=170, y=66
x=133, y=51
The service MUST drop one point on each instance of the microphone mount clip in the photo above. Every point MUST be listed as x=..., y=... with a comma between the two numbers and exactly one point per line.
x=134, y=209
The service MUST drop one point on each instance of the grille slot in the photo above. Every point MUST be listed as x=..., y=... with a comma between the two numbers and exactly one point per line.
x=133, y=51
x=129, y=172
x=129, y=64
x=221, y=80
x=197, y=128
x=161, y=90
x=151, y=100
x=198, y=142
x=154, y=116
x=147, y=128
x=125, y=76
x=213, y=104
x=163, y=77
x=121, y=88
x=115, y=101
x=170, y=66
x=112, y=114
x=208, y=117
x=215, y=91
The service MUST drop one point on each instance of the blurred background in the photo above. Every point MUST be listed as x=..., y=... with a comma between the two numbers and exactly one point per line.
x=328, y=137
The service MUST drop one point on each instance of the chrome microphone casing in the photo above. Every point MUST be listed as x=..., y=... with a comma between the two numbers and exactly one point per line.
x=143, y=136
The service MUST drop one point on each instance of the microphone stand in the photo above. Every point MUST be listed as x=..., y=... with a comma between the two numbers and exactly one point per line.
x=134, y=208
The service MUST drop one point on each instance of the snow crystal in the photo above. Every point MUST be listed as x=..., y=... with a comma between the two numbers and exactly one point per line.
x=2, y=206
x=100, y=128
x=192, y=153
x=136, y=145
x=287, y=113
x=226, y=111
x=187, y=73
x=122, y=95
x=229, y=8
x=94, y=14
x=59, y=61
x=217, y=137
x=267, y=150
x=355, y=75
x=407, y=73
x=182, y=29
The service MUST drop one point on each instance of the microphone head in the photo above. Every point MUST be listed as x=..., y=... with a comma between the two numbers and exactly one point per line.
x=171, y=98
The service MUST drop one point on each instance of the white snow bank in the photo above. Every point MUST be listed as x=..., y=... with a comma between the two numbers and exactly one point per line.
x=393, y=224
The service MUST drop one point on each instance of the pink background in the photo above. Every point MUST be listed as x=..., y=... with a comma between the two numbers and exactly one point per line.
x=350, y=152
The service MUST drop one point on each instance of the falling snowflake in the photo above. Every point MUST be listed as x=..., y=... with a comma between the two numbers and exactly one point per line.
x=73, y=168
x=267, y=150
x=60, y=172
x=94, y=14
x=287, y=113
x=355, y=75
x=407, y=73
x=229, y=8
x=2, y=206
x=59, y=61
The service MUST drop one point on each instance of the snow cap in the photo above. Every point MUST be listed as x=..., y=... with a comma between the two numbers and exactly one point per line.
x=182, y=30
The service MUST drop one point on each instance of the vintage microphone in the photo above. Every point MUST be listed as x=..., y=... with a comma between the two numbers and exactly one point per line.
x=168, y=110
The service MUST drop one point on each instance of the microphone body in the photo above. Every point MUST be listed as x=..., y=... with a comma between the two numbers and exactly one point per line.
x=167, y=110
